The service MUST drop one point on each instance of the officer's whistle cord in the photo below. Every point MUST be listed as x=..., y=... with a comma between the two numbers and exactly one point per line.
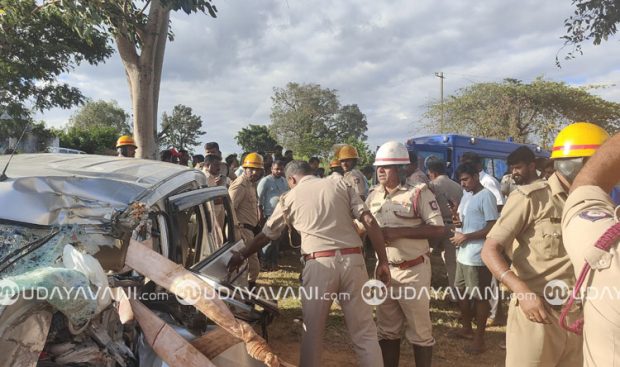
x=605, y=242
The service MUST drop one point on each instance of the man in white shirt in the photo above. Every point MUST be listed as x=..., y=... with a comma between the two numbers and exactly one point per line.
x=473, y=278
x=490, y=183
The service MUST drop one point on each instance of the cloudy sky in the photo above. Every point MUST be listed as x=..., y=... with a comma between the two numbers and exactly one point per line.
x=381, y=55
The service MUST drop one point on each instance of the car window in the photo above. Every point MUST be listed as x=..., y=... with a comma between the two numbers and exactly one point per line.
x=495, y=167
x=191, y=225
x=423, y=157
x=202, y=226
x=500, y=168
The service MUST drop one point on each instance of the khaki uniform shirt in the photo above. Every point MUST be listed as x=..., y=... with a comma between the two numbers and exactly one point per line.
x=244, y=200
x=406, y=207
x=218, y=206
x=588, y=213
x=322, y=211
x=211, y=180
x=357, y=180
x=417, y=177
x=445, y=189
x=532, y=216
x=335, y=176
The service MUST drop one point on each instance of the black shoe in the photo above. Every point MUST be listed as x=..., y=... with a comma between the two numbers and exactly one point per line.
x=423, y=356
x=390, y=349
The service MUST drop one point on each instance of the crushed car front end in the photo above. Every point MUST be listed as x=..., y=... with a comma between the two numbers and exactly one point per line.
x=97, y=256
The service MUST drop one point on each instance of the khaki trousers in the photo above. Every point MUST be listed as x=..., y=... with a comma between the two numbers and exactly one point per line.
x=407, y=306
x=546, y=345
x=449, y=258
x=601, y=337
x=253, y=263
x=323, y=279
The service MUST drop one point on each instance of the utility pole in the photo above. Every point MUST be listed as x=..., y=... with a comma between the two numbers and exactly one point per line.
x=441, y=78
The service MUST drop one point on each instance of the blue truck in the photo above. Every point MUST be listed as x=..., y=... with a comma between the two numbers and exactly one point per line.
x=450, y=148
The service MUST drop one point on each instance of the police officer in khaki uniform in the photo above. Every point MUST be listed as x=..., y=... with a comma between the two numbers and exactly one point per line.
x=531, y=216
x=588, y=214
x=408, y=216
x=126, y=146
x=335, y=171
x=213, y=148
x=245, y=205
x=414, y=174
x=448, y=194
x=211, y=169
x=323, y=212
x=347, y=155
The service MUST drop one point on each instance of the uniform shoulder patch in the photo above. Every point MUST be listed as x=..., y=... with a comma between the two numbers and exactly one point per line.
x=527, y=190
x=594, y=215
x=434, y=205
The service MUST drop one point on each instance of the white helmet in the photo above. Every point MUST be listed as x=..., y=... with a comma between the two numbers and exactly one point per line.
x=392, y=153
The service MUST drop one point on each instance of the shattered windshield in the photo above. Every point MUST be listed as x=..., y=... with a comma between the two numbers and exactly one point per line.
x=23, y=248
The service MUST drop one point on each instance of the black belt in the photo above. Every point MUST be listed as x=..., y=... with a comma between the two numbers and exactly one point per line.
x=255, y=229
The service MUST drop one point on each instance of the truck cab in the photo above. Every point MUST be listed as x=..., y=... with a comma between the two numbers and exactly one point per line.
x=450, y=148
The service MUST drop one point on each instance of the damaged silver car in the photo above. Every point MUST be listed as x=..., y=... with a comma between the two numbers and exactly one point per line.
x=110, y=261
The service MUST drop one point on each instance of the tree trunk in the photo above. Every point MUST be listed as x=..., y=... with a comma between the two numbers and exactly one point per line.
x=144, y=119
x=144, y=77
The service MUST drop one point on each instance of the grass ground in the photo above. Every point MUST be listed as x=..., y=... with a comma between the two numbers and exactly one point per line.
x=285, y=331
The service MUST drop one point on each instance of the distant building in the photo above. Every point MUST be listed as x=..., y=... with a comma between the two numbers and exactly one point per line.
x=30, y=144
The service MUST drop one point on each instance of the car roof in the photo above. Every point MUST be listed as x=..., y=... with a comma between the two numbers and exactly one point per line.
x=138, y=171
x=50, y=189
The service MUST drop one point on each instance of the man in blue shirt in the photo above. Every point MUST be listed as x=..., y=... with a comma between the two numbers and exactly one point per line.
x=473, y=279
x=269, y=190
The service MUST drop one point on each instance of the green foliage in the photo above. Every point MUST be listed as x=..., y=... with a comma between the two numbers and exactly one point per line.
x=13, y=128
x=181, y=129
x=42, y=133
x=594, y=20
x=94, y=140
x=37, y=45
x=367, y=156
x=309, y=119
x=101, y=113
x=41, y=39
x=122, y=18
x=254, y=138
x=532, y=112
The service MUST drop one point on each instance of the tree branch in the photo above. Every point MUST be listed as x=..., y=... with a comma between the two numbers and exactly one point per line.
x=144, y=8
x=126, y=49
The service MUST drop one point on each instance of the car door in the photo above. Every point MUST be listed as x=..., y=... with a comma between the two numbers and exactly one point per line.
x=196, y=227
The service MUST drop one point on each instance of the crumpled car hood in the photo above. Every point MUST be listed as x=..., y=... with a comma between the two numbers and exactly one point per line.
x=60, y=189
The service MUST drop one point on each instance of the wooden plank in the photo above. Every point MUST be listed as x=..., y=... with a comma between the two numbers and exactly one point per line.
x=165, y=341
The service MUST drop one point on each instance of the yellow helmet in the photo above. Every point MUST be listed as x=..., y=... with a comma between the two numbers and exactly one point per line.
x=253, y=160
x=334, y=163
x=125, y=140
x=580, y=139
x=347, y=152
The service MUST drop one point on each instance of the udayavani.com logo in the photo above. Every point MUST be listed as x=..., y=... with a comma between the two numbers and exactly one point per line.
x=374, y=292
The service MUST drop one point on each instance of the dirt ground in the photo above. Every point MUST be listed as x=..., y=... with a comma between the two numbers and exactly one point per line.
x=285, y=331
